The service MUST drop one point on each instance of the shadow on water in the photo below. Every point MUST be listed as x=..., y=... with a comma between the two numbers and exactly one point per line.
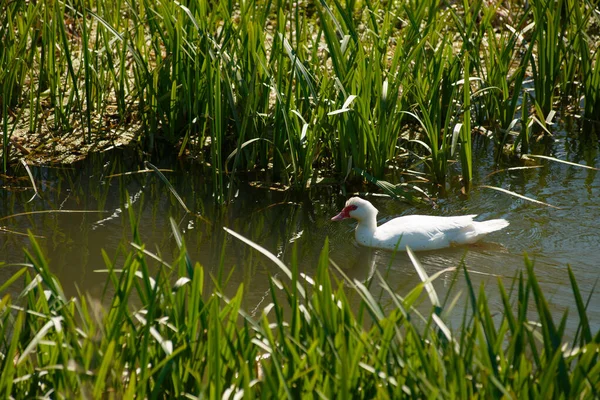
x=277, y=221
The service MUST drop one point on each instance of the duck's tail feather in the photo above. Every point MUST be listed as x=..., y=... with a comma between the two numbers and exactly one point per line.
x=492, y=225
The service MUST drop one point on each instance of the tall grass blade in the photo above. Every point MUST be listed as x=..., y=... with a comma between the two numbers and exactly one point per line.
x=433, y=297
x=39, y=335
x=269, y=255
x=181, y=245
x=584, y=325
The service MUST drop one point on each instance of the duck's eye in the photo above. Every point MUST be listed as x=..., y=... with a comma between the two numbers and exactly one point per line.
x=351, y=208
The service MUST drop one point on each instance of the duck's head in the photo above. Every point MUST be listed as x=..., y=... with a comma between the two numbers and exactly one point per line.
x=358, y=209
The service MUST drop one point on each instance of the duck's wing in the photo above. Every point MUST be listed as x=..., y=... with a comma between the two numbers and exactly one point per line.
x=422, y=232
x=426, y=225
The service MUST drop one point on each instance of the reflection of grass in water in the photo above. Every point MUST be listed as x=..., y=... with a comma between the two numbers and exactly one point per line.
x=182, y=340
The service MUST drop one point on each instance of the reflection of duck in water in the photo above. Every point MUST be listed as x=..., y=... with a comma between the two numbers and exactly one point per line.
x=419, y=232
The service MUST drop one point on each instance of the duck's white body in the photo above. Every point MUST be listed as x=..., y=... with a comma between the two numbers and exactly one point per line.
x=419, y=232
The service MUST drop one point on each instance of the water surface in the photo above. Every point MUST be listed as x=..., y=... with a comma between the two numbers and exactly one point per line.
x=553, y=238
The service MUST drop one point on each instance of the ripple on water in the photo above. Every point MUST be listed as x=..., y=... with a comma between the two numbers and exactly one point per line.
x=552, y=238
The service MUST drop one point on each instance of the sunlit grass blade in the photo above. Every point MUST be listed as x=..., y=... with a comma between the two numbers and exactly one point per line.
x=104, y=370
x=514, y=169
x=141, y=171
x=435, y=301
x=12, y=279
x=520, y=196
x=560, y=161
x=36, y=194
x=345, y=106
x=51, y=212
x=39, y=335
x=269, y=255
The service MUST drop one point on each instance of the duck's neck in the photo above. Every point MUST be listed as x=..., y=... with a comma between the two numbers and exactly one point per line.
x=366, y=229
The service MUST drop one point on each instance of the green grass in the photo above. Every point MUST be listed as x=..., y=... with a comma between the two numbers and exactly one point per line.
x=163, y=334
x=320, y=89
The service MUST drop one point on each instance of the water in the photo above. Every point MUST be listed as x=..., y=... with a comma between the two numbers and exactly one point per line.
x=553, y=238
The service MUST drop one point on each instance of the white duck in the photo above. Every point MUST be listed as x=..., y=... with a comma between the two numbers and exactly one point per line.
x=419, y=232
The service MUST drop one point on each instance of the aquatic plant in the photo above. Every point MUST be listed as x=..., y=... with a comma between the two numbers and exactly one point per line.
x=295, y=89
